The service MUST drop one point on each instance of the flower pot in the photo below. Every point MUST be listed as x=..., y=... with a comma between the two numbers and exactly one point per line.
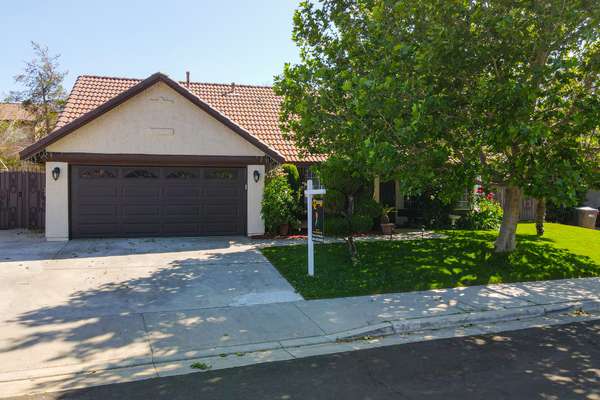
x=284, y=229
x=387, y=229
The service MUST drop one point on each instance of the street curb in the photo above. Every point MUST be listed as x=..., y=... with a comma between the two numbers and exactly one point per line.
x=407, y=326
x=404, y=327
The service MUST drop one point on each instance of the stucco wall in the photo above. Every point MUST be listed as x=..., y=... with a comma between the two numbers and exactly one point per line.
x=57, y=202
x=156, y=121
x=256, y=225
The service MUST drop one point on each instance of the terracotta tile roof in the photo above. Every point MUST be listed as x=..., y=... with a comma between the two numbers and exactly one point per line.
x=14, y=112
x=254, y=108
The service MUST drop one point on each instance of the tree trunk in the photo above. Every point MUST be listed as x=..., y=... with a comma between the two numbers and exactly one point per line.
x=352, y=248
x=350, y=239
x=507, y=238
x=540, y=216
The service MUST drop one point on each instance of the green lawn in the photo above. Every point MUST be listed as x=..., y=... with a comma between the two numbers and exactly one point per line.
x=464, y=258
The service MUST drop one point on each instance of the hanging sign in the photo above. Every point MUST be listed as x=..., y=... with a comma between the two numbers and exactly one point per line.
x=313, y=216
x=318, y=215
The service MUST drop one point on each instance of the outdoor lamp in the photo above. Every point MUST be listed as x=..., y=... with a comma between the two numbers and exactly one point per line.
x=256, y=175
x=55, y=173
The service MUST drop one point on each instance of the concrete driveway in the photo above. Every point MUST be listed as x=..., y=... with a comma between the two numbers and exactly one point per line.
x=68, y=306
x=112, y=276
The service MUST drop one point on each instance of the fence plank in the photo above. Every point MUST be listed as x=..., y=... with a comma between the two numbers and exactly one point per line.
x=528, y=205
x=22, y=199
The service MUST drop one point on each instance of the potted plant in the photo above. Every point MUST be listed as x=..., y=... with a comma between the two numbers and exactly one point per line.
x=387, y=227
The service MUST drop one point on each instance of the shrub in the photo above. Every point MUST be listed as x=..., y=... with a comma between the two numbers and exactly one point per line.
x=362, y=223
x=293, y=177
x=278, y=204
x=367, y=206
x=485, y=214
x=337, y=225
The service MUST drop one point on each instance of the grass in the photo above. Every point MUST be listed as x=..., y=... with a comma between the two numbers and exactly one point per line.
x=464, y=258
x=201, y=366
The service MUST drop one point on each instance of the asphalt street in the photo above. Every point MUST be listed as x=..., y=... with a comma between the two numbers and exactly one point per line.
x=559, y=362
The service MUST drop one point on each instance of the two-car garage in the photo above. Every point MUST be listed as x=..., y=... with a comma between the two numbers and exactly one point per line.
x=130, y=201
x=154, y=157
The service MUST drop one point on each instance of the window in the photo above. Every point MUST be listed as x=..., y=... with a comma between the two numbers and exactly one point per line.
x=181, y=175
x=141, y=174
x=97, y=173
x=222, y=174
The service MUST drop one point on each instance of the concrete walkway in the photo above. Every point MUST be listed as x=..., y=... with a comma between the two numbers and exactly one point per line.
x=76, y=352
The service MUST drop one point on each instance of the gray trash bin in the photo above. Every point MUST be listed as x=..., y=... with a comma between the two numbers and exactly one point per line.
x=586, y=217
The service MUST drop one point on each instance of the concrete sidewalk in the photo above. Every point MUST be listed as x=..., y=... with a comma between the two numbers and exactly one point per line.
x=69, y=353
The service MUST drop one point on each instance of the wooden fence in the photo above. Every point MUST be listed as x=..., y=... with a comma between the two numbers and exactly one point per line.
x=528, y=205
x=22, y=199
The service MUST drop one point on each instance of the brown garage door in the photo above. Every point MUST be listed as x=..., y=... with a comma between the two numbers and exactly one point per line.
x=108, y=201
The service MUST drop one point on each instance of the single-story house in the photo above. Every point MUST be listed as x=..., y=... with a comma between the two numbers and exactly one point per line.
x=156, y=157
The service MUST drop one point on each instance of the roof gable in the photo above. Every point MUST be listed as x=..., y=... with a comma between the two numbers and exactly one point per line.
x=64, y=127
x=252, y=111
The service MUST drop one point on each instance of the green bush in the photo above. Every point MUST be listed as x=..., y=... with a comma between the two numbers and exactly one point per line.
x=362, y=223
x=486, y=214
x=337, y=225
x=367, y=206
x=293, y=177
x=278, y=204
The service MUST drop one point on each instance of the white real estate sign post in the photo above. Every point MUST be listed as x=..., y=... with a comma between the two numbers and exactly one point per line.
x=309, y=193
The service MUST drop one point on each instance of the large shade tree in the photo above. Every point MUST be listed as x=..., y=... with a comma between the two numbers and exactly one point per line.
x=444, y=92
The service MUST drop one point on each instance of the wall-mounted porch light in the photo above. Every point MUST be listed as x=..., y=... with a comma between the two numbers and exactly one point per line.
x=55, y=173
x=256, y=175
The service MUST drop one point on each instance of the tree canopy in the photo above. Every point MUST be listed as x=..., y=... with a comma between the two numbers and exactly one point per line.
x=444, y=92
x=43, y=94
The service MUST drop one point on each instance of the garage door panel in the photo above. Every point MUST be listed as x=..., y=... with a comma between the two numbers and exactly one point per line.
x=220, y=192
x=100, y=210
x=177, y=192
x=183, y=210
x=144, y=210
x=141, y=191
x=146, y=229
x=94, y=192
x=151, y=201
x=181, y=228
x=216, y=211
x=217, y=228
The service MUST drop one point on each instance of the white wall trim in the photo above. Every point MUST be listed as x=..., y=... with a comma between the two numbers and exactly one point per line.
x=255, y=224
x=57, y=202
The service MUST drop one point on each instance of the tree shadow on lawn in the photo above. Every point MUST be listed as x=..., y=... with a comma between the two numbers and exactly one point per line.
x=465, y=259
x=461, y=259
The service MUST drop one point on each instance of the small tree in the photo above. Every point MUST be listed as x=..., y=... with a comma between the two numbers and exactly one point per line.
x=345, y=180
x=43, y=94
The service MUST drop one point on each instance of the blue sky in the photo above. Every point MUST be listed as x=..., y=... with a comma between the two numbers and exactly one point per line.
x=243, y=41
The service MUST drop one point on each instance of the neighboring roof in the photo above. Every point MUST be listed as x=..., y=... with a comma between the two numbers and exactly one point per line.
x=252, y=111
x=14, y=112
